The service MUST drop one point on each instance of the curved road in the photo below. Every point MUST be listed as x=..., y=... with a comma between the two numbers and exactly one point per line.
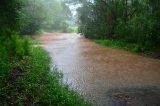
x=104, y=76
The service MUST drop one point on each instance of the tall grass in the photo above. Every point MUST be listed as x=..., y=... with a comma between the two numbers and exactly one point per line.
x=45, y=86
x=26, y=77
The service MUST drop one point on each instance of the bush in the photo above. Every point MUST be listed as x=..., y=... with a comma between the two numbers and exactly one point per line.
x=15, y=46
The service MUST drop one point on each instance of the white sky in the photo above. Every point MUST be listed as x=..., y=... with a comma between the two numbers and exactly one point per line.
x=73, y=8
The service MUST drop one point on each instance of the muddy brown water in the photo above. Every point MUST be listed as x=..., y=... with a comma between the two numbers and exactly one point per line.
x=104, y=76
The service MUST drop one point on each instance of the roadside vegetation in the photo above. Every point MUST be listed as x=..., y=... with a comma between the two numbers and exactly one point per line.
x=133, y=47
x=121, y=22
x=26, y=77
x=35, y=16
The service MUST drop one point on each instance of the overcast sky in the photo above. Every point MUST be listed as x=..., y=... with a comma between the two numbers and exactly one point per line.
x=73, y=8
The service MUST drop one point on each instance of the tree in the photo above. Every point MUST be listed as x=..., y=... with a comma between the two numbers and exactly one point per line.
x=134, y=21
x=42, y=14
x=9, y=13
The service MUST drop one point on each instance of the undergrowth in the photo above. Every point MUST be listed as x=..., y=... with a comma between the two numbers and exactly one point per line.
x=127, y=46
x=26, y=77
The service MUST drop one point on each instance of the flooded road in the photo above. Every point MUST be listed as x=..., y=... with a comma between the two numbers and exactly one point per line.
x=105, y=76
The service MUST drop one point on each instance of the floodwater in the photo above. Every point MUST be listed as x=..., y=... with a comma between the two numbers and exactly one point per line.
x=104, y=76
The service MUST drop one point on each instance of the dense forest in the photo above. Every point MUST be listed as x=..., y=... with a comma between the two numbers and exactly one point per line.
x=30, y=16
x=130, y=21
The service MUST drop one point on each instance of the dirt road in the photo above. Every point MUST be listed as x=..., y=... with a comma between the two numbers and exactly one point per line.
x=105, y=76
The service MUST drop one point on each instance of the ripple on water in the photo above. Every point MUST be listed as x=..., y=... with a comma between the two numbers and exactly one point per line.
x=105, y=76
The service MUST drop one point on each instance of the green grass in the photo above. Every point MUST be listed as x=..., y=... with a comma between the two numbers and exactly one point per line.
x=37, y=84
x=35, y=42
x=26, y=77
x=125, y=45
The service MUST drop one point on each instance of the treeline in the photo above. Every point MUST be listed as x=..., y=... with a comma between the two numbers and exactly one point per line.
x=132, y=21
x=30, y=16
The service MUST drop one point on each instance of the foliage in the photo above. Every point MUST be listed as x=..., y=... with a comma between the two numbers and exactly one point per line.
x=42, y=14
x=4, y=66
x=133, y=21
x=37, y=84
x=45, y=85
x=124, y=45
x=9, y=13
x=72, y=29
x=13, y=44
x=11, y=47
x=23, y=78
x=30, y=16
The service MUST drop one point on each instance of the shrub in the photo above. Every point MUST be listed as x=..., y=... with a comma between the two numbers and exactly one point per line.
x=15, y=46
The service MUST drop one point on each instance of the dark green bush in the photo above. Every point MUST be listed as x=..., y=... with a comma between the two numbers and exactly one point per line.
x=15, y=46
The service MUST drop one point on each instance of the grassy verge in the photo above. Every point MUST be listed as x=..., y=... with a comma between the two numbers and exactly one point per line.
x=32, y=82
x=26, y=77
x=128, y=46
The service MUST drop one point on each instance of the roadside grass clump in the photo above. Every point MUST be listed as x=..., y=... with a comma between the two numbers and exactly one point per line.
x=127, y=46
